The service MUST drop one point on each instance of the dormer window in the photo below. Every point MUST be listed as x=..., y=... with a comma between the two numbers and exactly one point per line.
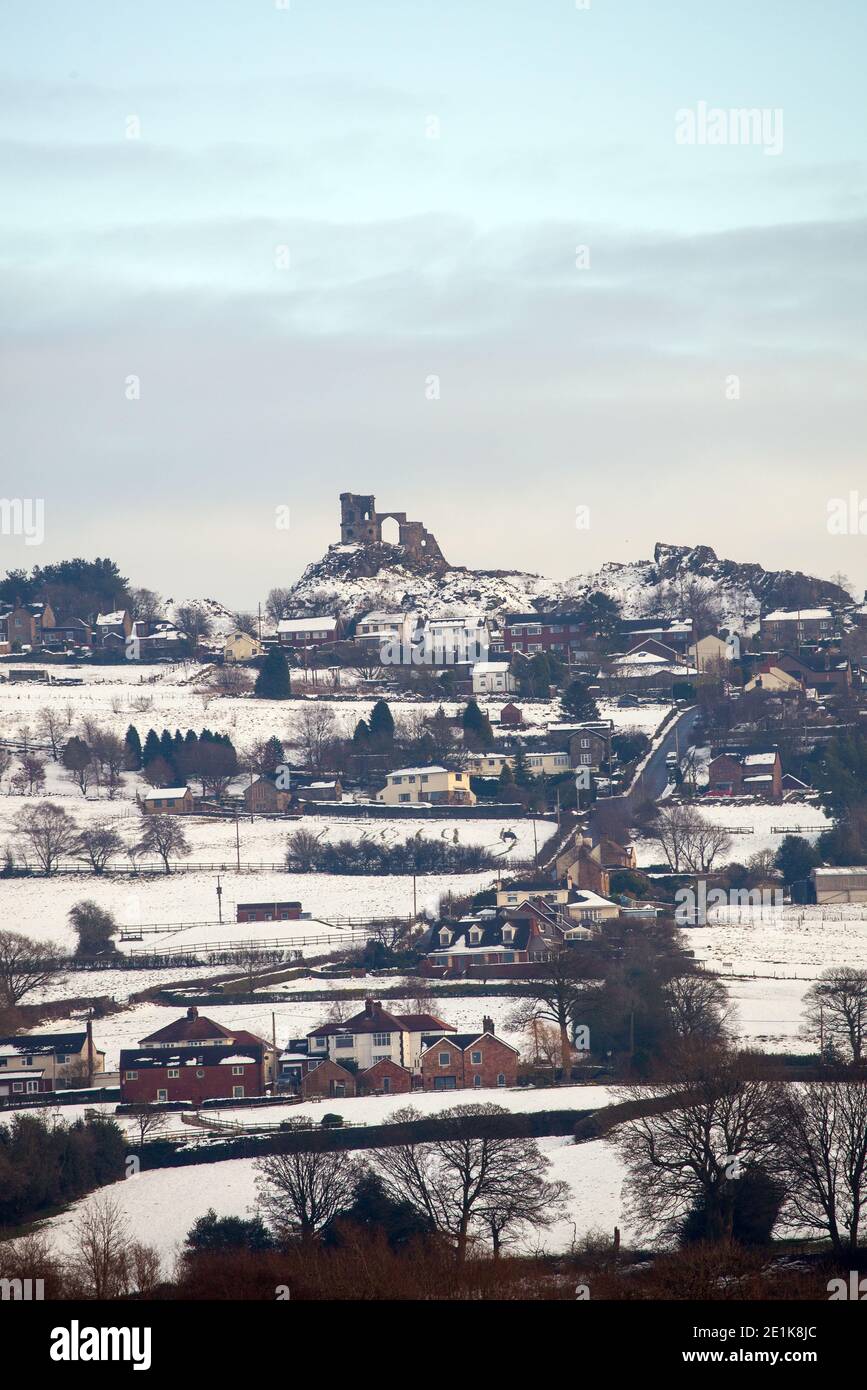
x=475, y=936
x=445, y=937
x=508, y=933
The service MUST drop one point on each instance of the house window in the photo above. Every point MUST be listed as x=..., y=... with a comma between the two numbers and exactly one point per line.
x=200, y=1072
x=344, y=1040
x=445, y=1058
x=162, y=1095
x=174, y=1074
x=477, y=1081
x=32, y=1086
x=237, y=1092
x=130, y=1076
x=28, y=1061
x=237, y=1071
x=476, y=1059
x=382, y=1040
x=63, y=1059
x=18, y=1085
x=405, y=796
x=501, y=1080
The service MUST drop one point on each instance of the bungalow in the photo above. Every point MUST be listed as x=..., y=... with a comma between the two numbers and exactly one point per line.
x=167, y=801
x=548, y=763
x=268, y=912
x=240, y=646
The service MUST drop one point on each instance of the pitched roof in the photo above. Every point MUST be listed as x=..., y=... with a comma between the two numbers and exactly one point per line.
x=191, y=1028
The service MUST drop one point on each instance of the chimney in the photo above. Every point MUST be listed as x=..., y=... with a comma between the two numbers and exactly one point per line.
x=368, y=1008
x=487, y=1024
x=192, y=1013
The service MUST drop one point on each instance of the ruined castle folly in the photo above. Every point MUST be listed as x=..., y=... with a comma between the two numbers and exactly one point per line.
x=361, y=524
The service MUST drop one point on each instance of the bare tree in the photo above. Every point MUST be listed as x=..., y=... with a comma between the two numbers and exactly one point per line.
x=699, y=1008
x=822, y=1158
x=29, y=780
x=556, y=996
x=690, y=1146
x=145, y=605
x=464, y=1184
x=301, y=1192
x=164, y=836
x=25, y=965
x=835, y=1012
x=49, y=832
x=146, y=1122
x=315, y=732
x=52, y=724
x=108, y=754
x=105, y=1263
x=278, y=604
x=97, y=844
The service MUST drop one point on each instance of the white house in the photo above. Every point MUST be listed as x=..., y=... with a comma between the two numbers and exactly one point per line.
x=493, y=678
x=374, y=1034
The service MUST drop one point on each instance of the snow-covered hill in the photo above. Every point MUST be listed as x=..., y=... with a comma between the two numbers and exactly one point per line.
x=353, y=579
x=221, y=618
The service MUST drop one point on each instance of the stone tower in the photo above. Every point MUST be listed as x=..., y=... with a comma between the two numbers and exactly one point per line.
x=358, y=519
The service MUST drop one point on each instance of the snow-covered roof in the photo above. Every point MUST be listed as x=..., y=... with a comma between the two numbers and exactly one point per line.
x=110, y=619
x=490, y=668
x=840, y=869
x=784, y=615
x=379, y=617
x=325, y=623
x=760, y=759
x=237, y=1059
x=414, y=771
x=161, y=793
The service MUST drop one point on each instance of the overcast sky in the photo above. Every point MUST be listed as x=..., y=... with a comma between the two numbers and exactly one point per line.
x=284, y=223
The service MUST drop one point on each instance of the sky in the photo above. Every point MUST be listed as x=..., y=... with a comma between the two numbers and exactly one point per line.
x=492, y=262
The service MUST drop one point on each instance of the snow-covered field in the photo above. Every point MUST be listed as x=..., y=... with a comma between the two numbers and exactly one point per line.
x=759, y=827
x=782, y=941
x=177, y=696
x=160, y=1206
x=39, y=906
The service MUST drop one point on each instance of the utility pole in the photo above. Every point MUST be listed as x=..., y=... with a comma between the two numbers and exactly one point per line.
x=220, y=899
x=238, y=843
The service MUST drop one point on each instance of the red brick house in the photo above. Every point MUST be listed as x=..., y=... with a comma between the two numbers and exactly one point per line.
x=746, y=774
x=195, y=1059
x=328, y=1079
x=475, y=1061
x=564, y=635
x=385, y=1078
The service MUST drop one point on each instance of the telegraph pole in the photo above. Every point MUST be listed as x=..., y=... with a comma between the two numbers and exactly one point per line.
x=219, y=899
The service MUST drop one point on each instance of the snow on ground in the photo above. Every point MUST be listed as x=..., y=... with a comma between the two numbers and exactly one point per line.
x=120, y=984
x=39, y=906
x=769, y=1014
x=160, y=1206
x=755, y=825
x=177, y=696
x=782, y=942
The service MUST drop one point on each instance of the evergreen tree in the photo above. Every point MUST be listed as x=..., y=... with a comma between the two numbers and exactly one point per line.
x=132, y=750
x=272, y=682
x=151, y=748
x=274, y=754
x=477, y=727
x=577, y=702
x=381, y=724
x=795, y=858
x=361, y=737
